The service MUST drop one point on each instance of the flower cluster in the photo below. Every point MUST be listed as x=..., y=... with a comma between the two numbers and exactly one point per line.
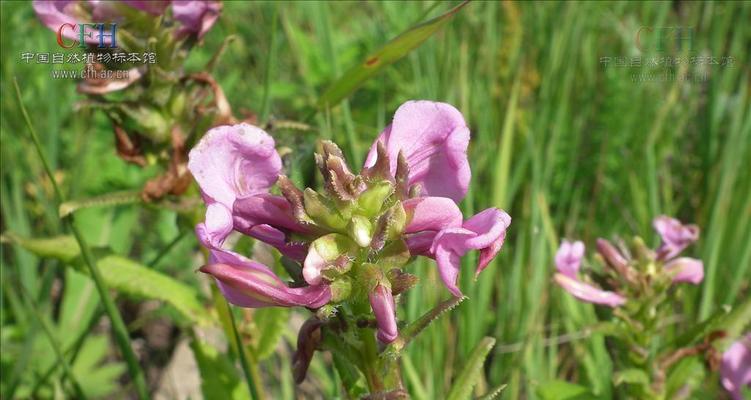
x=630, y=277
x=156, y=108
x=352, y=238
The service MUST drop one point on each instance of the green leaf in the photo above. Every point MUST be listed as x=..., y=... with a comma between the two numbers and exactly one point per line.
x=101, y=375
x=219, y=378
x=392, y=51
x=107, y=199
x=124, y=275
x=633, y=376
x=733, y=321
x=562, y=390
x=268, y=329
x=472, y=372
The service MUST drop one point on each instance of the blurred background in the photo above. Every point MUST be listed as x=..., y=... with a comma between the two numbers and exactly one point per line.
x=588, y=119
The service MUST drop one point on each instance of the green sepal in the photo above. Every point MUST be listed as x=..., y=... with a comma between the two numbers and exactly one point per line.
x=322, y=212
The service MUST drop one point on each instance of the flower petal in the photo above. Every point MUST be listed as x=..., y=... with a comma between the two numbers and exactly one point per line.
x=735, y=368
x=247, y=283
x=433, y=138
x=568, y=258
x=382, y=303
x=55, y=13
x=675, y=236
x=266, y=209
x=589, y=293
x=431, y=214
x=686, y=270
x=276, y=238
x=448, y=251
x=490, y=227
x=234, y=161
x=217, y=226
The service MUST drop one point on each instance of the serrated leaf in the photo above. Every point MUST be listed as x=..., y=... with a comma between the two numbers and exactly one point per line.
x=124, y=275
x=493, y=393
x=392, y=51
x=269, y=327
x=219, y=377
x=562, y=390
x=471, y=373
x=411, y=330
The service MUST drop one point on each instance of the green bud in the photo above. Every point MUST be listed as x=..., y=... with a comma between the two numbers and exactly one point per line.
x=398, y=221
x=322, y=213
x=361, y=230
x=372, y=200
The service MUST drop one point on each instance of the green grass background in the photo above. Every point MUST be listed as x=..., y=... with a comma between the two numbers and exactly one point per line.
x=568, y=147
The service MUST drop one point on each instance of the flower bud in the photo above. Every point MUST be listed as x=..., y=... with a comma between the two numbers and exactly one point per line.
x=331, y=251
x=384, y=309
x=615, y=260
x=372, y=200
x=308, y=340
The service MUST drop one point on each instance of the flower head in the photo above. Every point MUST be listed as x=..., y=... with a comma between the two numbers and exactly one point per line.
x=353, y=237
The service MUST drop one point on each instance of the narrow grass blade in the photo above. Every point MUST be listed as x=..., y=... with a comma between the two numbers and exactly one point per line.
x=118, y=326
x=386, y=55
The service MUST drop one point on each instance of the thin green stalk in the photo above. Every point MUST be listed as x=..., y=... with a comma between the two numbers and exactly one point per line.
x=56, y=346
x=265, y=104
x=118, y=326
x=243, y=357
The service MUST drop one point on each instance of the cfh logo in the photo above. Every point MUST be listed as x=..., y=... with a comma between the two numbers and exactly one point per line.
x=87, y=31
x=667, y=38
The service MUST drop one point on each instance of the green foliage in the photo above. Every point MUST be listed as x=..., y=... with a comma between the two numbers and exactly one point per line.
x=125, y=276
x=470, y=376
x=563, y=143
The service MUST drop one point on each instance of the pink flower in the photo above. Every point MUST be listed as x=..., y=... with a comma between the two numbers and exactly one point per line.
x=567, y=261
x=433, y=138
x=735, y=369
x=384, y=309
x=236, y=165
x=675, y=236
x=232, y=162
